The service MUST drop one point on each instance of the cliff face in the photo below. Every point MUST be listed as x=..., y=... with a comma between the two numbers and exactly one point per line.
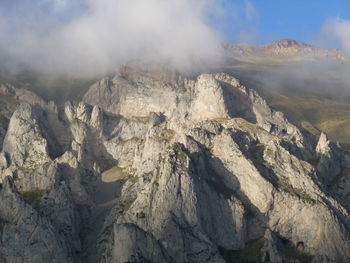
x=149, y=169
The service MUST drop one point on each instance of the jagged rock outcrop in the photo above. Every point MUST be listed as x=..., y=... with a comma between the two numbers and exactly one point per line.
x=7, y=107
x=26, y=236
x=132, y=244
x=150, y=168
x=24, y=141
x=331, y=159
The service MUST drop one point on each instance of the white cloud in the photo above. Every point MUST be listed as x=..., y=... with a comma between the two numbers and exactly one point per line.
x=336, y=32
x=111, y=32
x=251, y=13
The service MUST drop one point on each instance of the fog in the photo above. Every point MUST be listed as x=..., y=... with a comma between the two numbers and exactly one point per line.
x=323, y=77
x=92, y=37
x=326, y=77
x=335, y=32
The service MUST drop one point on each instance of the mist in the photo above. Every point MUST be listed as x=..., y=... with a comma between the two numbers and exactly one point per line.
x=335, y=32
x=88, y=38
x=326, y=77
x=323, y=77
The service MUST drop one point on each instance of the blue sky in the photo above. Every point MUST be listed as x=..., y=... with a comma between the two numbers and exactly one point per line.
x=298, y=19
x=276, y=19
x=65, y=35
x=254, y=21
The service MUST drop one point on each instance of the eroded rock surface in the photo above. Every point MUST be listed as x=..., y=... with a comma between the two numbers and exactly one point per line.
x=157, y=169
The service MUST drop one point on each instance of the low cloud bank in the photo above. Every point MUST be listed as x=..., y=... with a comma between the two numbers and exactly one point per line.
x=92, y=37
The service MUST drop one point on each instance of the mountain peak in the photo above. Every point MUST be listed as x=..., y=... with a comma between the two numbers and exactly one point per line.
x=286, y=43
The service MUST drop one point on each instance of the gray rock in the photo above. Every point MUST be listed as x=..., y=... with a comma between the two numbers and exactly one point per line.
x=26, y=236
x=154, y=167
x=132, y=244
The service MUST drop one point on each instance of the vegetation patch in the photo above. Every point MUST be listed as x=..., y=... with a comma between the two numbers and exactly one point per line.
x=270, y=153
x=310, y=128
x=251, y=253
x=33, y=197
x=294, y=254
x=313, y=161
x=180, y=154
x=314, y=112
x=284, y=185
x=131, y=140
x=134, y=179
x=220, y=120
x=165, y=135
x=127, y=173
x=26, y=169
x=143, y=120
x=177, y=147
x=244, y=125
x=123, y=173
x=126, y=203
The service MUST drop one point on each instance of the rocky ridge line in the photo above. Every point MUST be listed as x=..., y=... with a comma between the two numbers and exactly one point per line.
x=196, y=171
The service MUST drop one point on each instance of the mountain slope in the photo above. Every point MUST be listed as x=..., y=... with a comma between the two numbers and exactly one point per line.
x=309, y=84
x=198, y=170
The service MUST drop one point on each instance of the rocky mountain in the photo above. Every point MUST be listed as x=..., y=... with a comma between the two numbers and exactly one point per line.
x=281, y=51
x=152, y=167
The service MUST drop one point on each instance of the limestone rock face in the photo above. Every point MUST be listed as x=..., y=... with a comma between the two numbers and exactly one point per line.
x=24, y=141
x=132, y=244
x=153, y=167
x=26, y=236
x=209, y=100
x=331, y=159
x=132, y=95
x=8, y=106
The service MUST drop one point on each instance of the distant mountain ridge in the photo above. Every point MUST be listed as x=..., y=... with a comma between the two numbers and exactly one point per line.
x=286, y=43
x=284, y=49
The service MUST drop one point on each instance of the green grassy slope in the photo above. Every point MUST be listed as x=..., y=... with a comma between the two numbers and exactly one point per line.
x=328, y=115
x=314, y=110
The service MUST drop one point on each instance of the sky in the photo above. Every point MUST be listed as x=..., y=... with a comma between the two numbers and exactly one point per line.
x=252, y=21
x=297, y=19
x=88, y=36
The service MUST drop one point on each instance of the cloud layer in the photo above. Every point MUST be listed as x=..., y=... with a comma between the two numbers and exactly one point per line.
x=336, y=32
x=97, y=36
x=89, y=37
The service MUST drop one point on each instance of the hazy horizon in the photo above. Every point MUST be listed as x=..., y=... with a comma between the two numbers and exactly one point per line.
x=92, y=37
